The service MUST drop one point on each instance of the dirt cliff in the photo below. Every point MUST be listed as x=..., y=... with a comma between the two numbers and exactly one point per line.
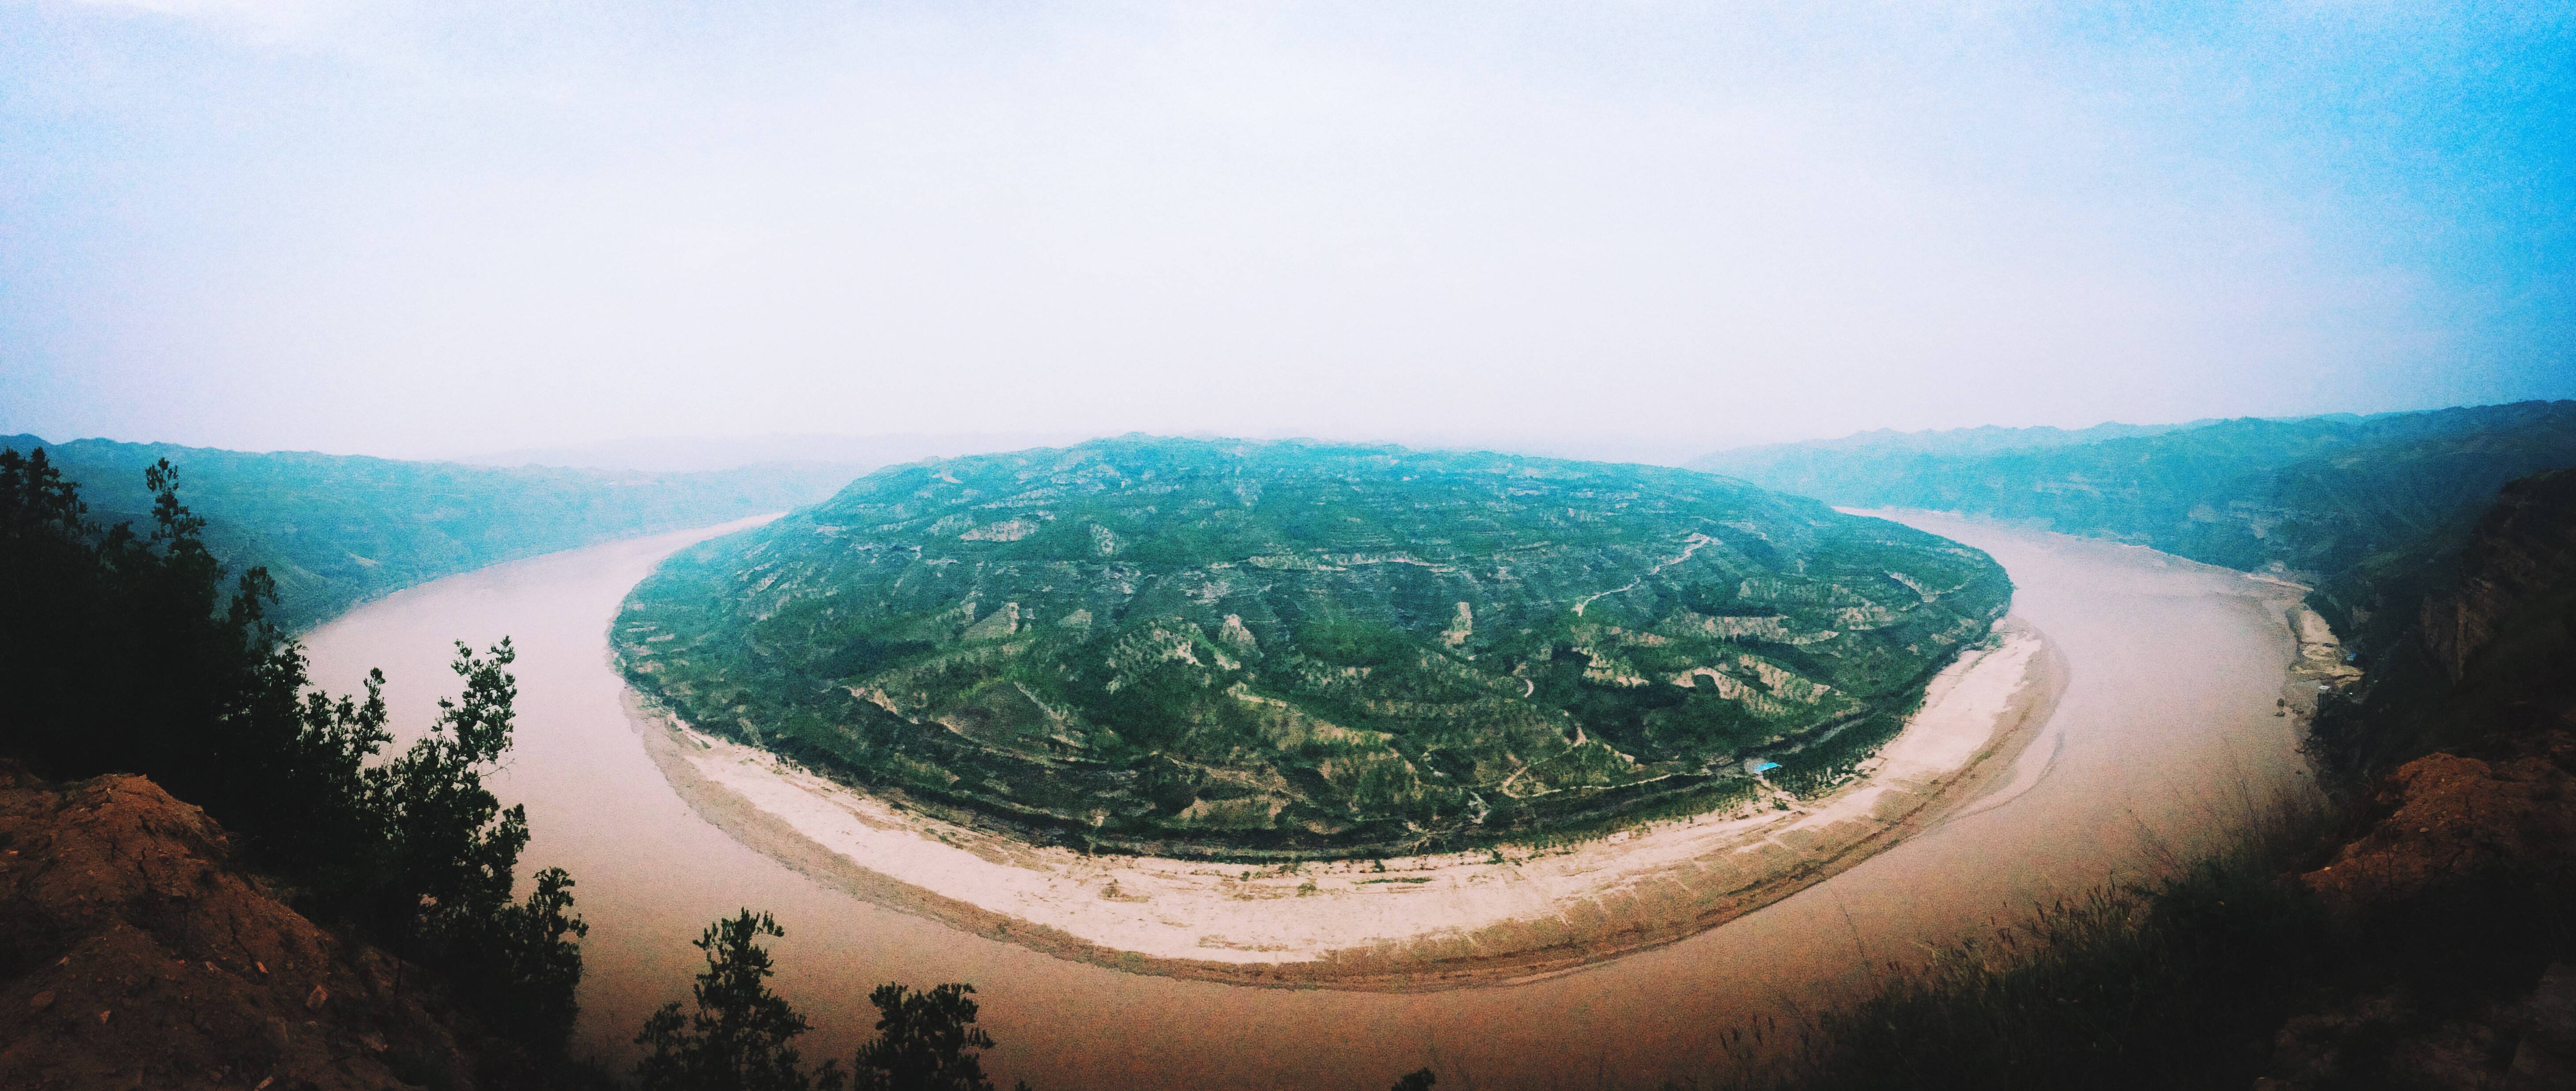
x=135, y=954
x=2449, y=820
x=2458, y=877
x=2521, y=550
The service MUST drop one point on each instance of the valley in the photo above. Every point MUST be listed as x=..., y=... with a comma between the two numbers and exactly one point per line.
x=2163, y=741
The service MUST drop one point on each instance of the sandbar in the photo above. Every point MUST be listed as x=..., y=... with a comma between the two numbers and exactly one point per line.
x=1401, y=924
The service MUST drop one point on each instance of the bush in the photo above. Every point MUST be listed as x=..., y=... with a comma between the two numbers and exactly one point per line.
x=121, y=653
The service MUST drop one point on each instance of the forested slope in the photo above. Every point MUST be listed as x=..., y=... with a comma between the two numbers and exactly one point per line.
x=2318, y=494
x=336, y=530
x=1302, y=647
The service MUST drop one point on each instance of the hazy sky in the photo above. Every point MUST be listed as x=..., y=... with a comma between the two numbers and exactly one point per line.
x=1627, y=229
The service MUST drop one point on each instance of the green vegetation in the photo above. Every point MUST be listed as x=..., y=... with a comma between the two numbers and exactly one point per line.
x=121, y=652
x=332, y=531
x=2427, y=970
x=739, y=1037
x=2317, y=494
x=1271, y=650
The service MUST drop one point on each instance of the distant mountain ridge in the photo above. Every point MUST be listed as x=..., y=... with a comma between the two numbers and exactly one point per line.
x=2381, y=512
x=1772, y=460
x=2317, y=494
x=336, y=530
x=1239, y=648
x=701, y=454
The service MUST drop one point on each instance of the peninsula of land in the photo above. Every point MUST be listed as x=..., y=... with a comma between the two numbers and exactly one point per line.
x=1406, y=923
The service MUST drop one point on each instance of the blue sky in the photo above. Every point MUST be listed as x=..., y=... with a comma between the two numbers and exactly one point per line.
x=1631, y=230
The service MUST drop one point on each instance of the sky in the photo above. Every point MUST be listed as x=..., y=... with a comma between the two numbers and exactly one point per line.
x=1617, y=229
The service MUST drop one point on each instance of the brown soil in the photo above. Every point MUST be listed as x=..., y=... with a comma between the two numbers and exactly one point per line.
x=2443, y=830
x=2451, y=819
x=134, y=954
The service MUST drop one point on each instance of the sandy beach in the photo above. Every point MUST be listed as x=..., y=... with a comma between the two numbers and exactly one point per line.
x=1407, y=923
x=2178, y=723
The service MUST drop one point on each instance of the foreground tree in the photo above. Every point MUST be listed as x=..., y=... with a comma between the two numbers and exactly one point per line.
x=923, y=1040
x=738, y=1038
x=122, y=652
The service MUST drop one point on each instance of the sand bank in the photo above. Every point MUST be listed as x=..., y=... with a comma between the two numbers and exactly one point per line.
x=1407, y=923
x=2164, y=744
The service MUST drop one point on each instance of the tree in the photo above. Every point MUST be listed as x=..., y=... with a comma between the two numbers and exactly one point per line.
x=454, y=848
x=738, y=1039
x=1420, y=1079
x=451, y=853
x=523, y=966
x=922, y=1041
x=121, y=653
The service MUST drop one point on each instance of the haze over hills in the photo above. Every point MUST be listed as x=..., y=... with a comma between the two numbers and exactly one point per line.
x=695, y=454
x=1248, y=647
x=2316, y=494
x=2376, y=511
x=336, y=530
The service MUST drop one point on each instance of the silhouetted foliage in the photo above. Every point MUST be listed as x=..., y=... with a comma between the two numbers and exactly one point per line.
x=121, y=653
x=1420, y=1079
x=738, y=1038
x=923, y=1040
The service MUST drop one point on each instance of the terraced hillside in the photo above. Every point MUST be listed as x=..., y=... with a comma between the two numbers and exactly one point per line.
x=1250, y=649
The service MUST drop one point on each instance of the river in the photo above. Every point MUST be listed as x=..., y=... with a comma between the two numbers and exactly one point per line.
x=2163, y=745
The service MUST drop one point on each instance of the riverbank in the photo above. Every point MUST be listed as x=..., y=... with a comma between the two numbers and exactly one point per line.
x=1400, y=924
x=2163, y=745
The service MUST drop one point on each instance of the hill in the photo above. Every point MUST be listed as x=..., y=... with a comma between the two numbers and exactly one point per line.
x=136, y=953
x=337, y=530
x=2417, y=936
x=1197, y=646
x=1818, y=467
x=2318, y=494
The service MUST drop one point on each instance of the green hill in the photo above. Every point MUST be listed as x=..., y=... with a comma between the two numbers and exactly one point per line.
x=2319, y=494
x=1242, y=648
x=2376, y=511
x=336, y=530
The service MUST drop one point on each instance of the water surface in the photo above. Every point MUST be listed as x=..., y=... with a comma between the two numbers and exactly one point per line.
x=2159, y=748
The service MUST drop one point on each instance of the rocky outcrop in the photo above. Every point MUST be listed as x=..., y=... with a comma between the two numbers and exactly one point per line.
x=2523, y=546
x=2449, y=887
x=2461, y=878
x=2454, y=820
x=134, y=954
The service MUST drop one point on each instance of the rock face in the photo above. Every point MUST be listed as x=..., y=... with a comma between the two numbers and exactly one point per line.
x=2465, y=867
x=132, y=955
x=2522, y=548
x=2451, y=821
x=1301, y=647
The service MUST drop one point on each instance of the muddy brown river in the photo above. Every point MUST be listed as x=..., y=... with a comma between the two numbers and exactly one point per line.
x=2164, y=744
